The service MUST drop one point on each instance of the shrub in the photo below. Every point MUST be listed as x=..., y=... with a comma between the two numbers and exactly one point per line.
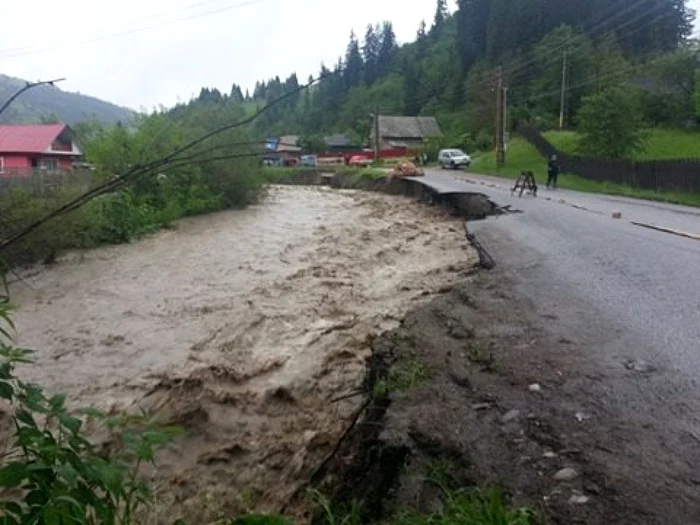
x=610, y=124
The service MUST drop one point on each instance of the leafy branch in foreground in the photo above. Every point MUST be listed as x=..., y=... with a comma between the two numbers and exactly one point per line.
x=51, y=473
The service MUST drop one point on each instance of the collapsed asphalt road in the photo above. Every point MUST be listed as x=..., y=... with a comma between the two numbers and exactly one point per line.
x=628, y=300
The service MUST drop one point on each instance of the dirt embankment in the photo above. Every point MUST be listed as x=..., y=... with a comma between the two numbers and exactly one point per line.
x=242, y=327
x=503, y=398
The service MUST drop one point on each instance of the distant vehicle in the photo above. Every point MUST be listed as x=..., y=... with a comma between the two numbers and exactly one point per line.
x=453, y=158
x=308, y=160
x=359, y=160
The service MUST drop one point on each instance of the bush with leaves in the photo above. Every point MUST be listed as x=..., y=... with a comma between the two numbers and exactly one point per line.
x=52, y=473
x=610, y=124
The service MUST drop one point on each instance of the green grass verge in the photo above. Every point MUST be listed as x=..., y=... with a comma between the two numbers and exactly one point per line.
x=661, y=144
x=523, y=156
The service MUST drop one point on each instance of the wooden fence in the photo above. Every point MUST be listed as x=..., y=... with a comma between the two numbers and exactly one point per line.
x=667, y=175
x=41, y=183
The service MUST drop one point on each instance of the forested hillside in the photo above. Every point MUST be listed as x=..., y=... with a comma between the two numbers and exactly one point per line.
x=51, y=103
x=450, y=69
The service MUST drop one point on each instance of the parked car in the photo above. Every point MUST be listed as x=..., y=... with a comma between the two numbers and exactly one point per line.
x=453, y=158
x=308, y=160
x=359, y=160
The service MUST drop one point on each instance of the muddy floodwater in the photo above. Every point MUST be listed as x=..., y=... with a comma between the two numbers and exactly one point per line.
x=243, y=327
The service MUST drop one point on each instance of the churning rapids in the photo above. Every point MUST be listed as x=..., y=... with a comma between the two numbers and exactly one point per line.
x=241, y=327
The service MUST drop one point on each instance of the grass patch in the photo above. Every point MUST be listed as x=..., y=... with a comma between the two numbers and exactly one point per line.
x=474, y=507
x=461, y=507
x=662, y=144
x=523, y=156
x=405, y=377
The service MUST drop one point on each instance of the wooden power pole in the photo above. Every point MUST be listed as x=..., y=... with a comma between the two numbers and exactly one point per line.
x=500, y=120
x=564, y=88
x=376, y=133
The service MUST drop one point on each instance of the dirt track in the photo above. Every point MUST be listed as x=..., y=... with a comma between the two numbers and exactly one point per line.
x=241, y=327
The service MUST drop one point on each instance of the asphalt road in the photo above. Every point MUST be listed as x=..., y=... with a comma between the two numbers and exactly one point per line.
x=647, y=281
x=628, y=298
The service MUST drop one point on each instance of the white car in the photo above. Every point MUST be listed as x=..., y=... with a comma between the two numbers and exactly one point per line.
x=453, y=158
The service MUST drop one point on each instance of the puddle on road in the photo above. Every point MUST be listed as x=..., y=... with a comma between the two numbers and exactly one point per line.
x=240, y=326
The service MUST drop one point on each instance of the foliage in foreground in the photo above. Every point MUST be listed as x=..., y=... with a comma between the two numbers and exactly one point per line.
x=50, y=473
x=461, y=507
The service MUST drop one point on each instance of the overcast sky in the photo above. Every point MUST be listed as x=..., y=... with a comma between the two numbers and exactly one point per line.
x=141, y=53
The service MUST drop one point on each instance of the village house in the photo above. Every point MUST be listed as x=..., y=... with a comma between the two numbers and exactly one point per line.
x=405, y=132
x=45, y=147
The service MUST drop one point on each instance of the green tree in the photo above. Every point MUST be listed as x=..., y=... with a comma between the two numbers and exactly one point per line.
x=696, y=95
x=610, y=125
x=370, y=52
x=313, y=144
x=472, y=18
x=563, y=43
x=353, y=65
x=441, y=14
x=51, y=118
x=609, y=66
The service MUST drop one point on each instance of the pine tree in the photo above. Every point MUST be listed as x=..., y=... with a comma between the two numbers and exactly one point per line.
x=421, y=41
x=472, y=18
x=387, y=49
x=441, y=14
x=236, y=93
x=370, y=52
x=354, y=64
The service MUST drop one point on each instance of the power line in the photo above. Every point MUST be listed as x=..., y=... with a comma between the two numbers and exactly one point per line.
x=239, y=5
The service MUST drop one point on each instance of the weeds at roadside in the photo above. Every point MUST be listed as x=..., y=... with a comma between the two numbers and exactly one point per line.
x=411, y=375
x=471, y=507
x=332, y=516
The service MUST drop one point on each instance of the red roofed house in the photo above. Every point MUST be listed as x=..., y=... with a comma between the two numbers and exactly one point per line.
x=24, y=148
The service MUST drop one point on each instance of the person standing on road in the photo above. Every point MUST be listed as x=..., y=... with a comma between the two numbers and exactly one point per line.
x=552, y=172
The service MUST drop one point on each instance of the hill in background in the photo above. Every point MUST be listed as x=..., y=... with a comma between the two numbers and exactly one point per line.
x=46, y=102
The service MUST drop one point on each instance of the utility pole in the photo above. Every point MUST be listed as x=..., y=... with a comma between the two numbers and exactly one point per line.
x=376, y=133
x=500, y=119
x=564, y=87
x=505, y=123
x=29, y=85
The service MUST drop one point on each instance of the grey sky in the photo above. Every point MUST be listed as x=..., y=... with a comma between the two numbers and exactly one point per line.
x=140, y=53
x=218, y=42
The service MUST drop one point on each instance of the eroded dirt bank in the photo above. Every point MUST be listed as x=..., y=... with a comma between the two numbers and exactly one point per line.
x=241, y=327
x=509, y=397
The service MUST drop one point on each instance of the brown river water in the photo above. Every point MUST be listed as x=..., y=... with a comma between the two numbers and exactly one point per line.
x=242, y=327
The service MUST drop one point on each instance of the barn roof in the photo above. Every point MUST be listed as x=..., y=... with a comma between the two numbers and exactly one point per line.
x=408, y=127
x=29, y=138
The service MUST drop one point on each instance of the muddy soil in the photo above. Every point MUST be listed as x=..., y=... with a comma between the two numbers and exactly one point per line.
x=507, y=399
x=242, y=327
